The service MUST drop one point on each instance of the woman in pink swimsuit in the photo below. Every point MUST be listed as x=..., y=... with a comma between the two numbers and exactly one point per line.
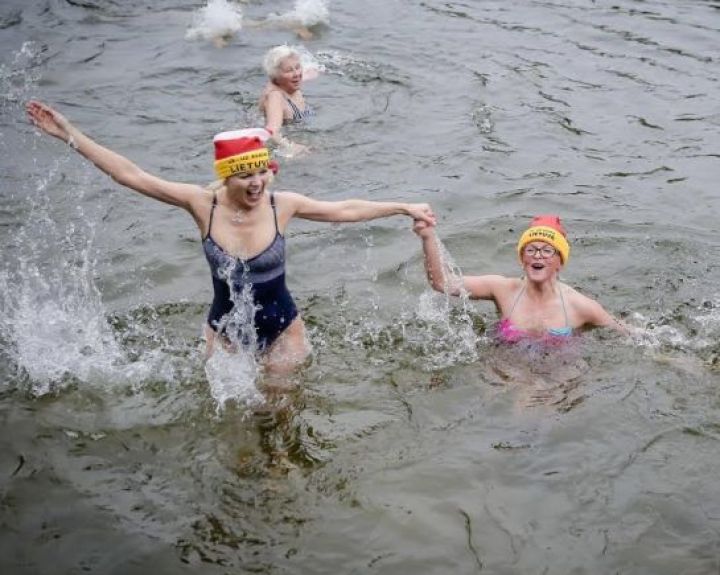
x=538, y=306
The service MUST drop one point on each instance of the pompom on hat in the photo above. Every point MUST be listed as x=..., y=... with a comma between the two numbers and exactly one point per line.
x=548, y=229
x=242, y=152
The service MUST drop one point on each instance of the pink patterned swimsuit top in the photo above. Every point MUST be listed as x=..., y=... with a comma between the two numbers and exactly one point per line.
x=507, y=332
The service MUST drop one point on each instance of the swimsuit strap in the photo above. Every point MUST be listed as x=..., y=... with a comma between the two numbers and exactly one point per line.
x=297, y=113
x=562, y=301
x=272, y=203
x=212, y=213
x=517, y=299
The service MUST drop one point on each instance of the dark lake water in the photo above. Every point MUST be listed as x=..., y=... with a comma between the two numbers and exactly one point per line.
x=413, y=443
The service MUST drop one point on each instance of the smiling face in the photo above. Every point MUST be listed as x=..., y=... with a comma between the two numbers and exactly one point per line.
x=289, y=74
x=248, y=189
x=540, y=261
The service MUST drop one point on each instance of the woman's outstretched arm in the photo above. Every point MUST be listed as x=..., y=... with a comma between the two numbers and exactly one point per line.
x=118, y=167
x=593, y=314
x=353, y=210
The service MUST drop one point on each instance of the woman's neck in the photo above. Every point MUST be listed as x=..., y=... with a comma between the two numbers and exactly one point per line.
x=288, y=91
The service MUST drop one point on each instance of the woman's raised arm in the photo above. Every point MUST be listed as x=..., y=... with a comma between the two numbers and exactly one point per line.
x=439, y=274
x=113, y=164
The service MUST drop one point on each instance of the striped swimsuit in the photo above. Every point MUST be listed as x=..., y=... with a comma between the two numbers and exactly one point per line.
x=299, y=116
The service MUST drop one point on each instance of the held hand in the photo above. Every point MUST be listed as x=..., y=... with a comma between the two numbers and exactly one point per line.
x=298, y=150
x=48, y=120
x=288, y=149
x=423, y=229
x=422, y=212
x=311, y=72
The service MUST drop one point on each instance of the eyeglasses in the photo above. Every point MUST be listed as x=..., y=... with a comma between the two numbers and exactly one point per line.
x=544, y=251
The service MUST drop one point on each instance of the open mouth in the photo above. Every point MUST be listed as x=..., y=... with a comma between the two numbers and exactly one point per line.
x=537, y=266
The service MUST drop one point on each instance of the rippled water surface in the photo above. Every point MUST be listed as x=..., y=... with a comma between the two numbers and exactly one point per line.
x=411, y=443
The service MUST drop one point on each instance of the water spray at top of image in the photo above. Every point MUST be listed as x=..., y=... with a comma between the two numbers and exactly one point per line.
x=306, y=13
x=220, y=20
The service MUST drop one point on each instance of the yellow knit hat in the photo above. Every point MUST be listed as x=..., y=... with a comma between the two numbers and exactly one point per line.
x=546, y=229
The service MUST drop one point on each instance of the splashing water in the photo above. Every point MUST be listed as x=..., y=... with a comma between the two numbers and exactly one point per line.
x=219, y=19
x=309, y=62
x=232, y=373
x=21, y=75
x=239, y=324
x=709, y=318
x=448, y=336
x=655, y=334
x=347, y=65
x=436, y=331
x=305, y=13
x=340, y=64
x=53, y=319
x=53, y=326
x=232, y=376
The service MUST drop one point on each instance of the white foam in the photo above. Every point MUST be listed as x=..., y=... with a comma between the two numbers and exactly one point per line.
x=340, y=64
x=219, y=19
x=309, y=62
x=647, y=333
x=305, y=13
x=448, y=336
x=232, y=376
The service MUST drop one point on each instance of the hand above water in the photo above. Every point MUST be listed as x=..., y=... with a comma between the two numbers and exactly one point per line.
x=424, y=229
x=49, y=120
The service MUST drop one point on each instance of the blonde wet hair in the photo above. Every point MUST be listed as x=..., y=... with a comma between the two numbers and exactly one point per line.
x=274, y=57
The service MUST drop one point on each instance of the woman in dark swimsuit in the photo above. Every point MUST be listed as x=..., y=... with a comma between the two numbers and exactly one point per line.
x=538, y=306
x=242, y=226
x=282, y=101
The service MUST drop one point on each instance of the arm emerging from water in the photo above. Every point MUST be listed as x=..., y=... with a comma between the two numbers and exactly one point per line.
x=439, y=274
x=118, y=167
x=594, y=315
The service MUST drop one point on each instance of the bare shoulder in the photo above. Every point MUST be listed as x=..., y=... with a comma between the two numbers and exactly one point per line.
x=201, y=198
x=589, y=311
x=204, y=194
x=268, y=89
x=490, y=286
x=287, y=204
x=287, y=198
x=578, y=300
x=273, y=95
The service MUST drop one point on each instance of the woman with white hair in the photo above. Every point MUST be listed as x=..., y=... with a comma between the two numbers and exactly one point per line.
x=282, y=101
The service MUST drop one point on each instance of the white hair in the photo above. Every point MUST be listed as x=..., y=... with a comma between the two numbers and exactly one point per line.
x=274, y=56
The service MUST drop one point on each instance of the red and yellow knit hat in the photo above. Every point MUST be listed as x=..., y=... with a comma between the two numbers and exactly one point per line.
x=242, y=152
x=546, y=229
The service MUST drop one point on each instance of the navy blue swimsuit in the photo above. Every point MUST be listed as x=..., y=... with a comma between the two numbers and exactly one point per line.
x=249, y=293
